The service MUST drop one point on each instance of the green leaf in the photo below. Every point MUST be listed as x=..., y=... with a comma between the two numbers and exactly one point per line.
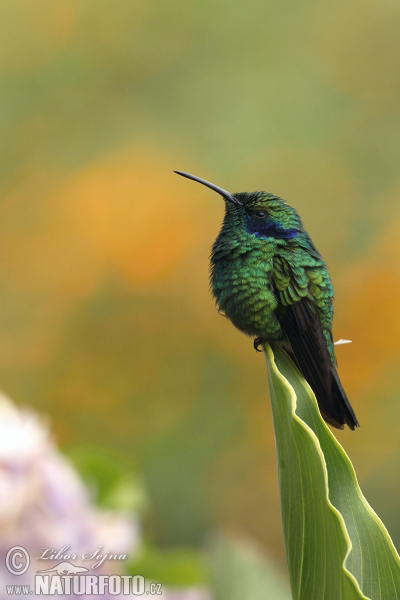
x=336, y=546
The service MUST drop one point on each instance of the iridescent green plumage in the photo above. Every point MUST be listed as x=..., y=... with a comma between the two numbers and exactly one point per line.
x=272, y=283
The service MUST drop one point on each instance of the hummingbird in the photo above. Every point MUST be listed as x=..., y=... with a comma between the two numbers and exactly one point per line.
x=269, y=279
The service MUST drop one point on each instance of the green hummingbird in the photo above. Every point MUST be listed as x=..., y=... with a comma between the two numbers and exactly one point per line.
x=272, y=283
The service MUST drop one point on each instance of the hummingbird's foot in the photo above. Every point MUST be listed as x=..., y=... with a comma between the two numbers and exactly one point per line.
x=257, y=343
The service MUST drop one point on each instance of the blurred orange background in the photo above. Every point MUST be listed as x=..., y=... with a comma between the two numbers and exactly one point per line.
x=106, y=321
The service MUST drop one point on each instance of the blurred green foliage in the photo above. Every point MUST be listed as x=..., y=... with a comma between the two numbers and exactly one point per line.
x=106, y=322
x=183, y=568
x=110, y=478
x=239, y=570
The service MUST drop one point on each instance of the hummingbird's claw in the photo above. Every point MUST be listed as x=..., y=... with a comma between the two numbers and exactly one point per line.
x=257, y=343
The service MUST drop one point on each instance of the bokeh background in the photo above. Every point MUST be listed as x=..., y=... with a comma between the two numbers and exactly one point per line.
x=107, y=326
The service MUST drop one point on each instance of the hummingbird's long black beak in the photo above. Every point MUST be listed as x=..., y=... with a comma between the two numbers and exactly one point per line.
x=217, y=189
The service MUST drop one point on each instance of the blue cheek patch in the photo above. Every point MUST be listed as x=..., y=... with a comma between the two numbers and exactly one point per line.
x=278, y=234
x=270, y=229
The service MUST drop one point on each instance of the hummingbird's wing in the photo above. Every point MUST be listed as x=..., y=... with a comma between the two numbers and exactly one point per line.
x=300, y=318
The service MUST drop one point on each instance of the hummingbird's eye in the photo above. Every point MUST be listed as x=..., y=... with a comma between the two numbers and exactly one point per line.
x=260, y=214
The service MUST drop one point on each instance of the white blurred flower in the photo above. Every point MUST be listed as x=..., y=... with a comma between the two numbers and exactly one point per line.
x=45, y=505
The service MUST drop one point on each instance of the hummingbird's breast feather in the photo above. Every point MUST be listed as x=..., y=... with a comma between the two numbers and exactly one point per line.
x=241, y=284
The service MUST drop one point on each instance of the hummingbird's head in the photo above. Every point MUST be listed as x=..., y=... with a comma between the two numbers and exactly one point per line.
x=258, y=213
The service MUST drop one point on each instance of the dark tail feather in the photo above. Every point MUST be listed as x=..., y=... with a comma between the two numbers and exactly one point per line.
x=333, y=403
x=303, y=328
x=340, y=399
